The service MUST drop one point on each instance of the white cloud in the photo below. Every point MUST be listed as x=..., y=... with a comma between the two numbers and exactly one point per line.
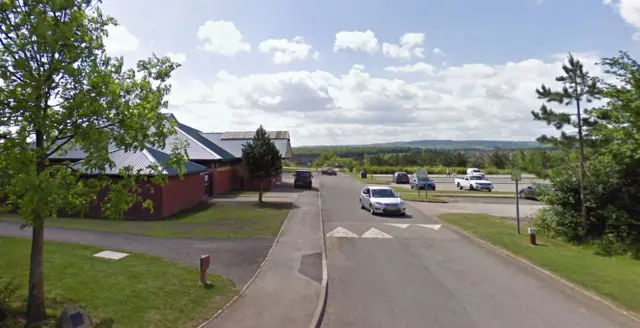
x=629, y=10
x=356, y=41
x=120, y=40
x=409, y=46
x=438, y=51
x=285, y=51
x=472, y=101
x=222, y=37
x=178, y=57
x=420, y=67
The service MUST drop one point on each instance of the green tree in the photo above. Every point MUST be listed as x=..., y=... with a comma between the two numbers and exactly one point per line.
x=261, y=158
x=578, y=87
x=60, y=90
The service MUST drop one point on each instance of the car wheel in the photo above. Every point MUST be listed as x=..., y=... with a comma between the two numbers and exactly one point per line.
x=459, y=187
x=371, y=209
x=471, y=187
x=523, y=195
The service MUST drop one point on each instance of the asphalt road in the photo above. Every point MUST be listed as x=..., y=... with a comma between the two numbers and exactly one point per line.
x=422, y=277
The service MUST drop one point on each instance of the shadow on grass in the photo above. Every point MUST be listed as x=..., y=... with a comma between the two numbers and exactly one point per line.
x=207, y=206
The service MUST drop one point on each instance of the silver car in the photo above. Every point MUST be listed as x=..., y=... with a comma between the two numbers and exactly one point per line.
x=381, y=200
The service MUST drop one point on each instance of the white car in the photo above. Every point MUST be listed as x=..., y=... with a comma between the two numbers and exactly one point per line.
x=380, y=199
x=474, y=182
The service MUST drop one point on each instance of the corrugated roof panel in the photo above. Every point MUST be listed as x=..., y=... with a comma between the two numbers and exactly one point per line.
x=141, y=162
x=249, y=135
x=196, y=135
x=234, y=146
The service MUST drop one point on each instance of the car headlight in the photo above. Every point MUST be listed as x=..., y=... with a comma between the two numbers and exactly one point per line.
x=401, y=202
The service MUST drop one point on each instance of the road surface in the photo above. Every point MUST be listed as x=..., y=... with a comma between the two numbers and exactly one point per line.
x=408, y=275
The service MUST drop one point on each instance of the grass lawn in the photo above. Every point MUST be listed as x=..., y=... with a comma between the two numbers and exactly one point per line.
x=224, y=219
x=612, y=277
x=137, y=291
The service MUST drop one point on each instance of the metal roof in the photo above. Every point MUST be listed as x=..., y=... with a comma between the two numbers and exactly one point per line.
x=141, y=162
x=234, y=146
x=249, y=135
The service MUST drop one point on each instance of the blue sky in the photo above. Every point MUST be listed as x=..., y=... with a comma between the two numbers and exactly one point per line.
x=489, y=33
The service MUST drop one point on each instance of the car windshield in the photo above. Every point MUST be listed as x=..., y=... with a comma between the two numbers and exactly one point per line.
x=383, y=193
x=476, y=177
x=303, y=173
x=402, y=174
x=423, y=179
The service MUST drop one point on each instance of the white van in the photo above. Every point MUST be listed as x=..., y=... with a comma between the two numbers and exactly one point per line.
x=473, y=171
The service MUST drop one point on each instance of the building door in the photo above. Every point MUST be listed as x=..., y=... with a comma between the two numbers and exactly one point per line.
x=208, y=184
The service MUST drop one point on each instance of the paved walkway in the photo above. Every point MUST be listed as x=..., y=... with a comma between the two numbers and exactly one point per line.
x=285, y=293
x=237, y=259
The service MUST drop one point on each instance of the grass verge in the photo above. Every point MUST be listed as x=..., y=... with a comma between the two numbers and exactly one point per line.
x=224, y=219
x=136, y=291
x=413, y=196
x=613, y=277
x=458, y=193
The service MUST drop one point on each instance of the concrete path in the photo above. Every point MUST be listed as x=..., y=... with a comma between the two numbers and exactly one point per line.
x=237, y=259
x=411, y=272
x=285, y=293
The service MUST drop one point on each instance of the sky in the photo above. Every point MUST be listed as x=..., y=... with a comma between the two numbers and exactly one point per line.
x=357, y=72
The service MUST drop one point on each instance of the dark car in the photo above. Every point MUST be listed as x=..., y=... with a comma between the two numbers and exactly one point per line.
x=422, y=182
x=535, y=191
x=400, y=178
x=302, y=179
x=328, y=171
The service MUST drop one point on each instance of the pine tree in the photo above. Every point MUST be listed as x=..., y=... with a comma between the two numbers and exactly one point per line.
x=578, y=87
x=261, y=158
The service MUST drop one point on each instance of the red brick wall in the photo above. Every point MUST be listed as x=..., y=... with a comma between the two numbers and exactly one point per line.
x=180, y=194
x=222, y=179
x=148, y=191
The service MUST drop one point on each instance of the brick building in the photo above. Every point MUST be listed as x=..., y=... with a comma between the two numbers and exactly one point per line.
x=215, y=166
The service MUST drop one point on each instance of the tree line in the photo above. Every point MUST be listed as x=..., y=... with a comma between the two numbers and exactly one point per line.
x=535, y=161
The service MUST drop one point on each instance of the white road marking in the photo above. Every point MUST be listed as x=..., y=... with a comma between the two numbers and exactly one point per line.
x=399, y=225
x=341, y=232
x=431, y=226
x=111, y=255
x=375, y=233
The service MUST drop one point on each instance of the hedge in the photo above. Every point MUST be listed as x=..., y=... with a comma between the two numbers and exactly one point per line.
x=430, y=170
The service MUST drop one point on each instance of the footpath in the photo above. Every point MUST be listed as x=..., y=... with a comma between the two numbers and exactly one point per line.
x=285, y=292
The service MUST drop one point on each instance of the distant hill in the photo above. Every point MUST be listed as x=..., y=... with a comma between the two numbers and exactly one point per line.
x=461, y=144
x=445, y=144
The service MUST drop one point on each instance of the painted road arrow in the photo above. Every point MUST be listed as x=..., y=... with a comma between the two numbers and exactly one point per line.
x=375, y=233
x=341, y=232
x=431, y=226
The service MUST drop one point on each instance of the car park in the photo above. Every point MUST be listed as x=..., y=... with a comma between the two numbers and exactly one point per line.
x=381, y=200
x=401, y=178
x=303, y=179
x=328, y=171
x=474, y=182
x=535, y=191
x=418, y=181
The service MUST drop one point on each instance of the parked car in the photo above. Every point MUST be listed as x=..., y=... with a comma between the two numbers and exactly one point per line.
x=422, y=182
x=303, y=179
x=381, y=199
x=400, y=178
x=473, y=182
x=328, y=171
x=535, y=191
x=473, y=171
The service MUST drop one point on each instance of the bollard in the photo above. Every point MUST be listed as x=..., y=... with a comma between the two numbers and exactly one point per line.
x=532, y=236
x=205, y=262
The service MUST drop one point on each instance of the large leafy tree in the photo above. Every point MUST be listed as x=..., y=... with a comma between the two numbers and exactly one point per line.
x=60, y=90
x=578, y=88
x=261, y=158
